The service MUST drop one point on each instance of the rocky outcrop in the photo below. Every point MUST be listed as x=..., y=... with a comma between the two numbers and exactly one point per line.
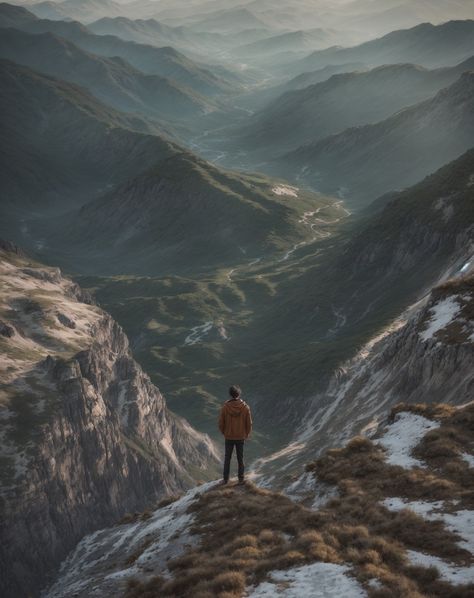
x=85, y=435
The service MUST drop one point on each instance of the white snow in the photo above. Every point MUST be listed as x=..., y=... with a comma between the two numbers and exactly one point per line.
x=401, y=437
x=459, y=522
x=421, y=507
x=285, y=190
x=318, y=580
x=442, y=314
x=468, y=458
x=449, y=572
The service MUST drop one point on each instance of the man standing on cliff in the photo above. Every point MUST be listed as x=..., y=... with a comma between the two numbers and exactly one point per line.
x=235, y=423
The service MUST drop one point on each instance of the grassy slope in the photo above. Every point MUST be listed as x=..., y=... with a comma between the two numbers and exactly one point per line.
x=111, y=80
x=272, y=532
x=165, y=61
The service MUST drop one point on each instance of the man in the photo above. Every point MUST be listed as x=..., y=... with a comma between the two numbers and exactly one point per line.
x=235, y=423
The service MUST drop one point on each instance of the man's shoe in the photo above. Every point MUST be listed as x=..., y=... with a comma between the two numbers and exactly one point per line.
x=223, y=482
x=241, y=482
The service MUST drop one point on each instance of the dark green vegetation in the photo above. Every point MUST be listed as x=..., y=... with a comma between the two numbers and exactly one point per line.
x=287, y=318
x=74, y=145
x=165, y=61
x=111, y=80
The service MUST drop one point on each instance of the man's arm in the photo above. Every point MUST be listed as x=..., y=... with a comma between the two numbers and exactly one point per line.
x=248, y=423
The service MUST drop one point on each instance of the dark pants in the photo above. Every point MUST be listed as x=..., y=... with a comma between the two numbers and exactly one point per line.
x=239, y=449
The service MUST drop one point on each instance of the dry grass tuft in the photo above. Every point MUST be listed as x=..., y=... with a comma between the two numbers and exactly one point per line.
x=246, y=532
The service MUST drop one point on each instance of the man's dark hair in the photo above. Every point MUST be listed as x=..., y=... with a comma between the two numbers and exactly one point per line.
x=235, y=391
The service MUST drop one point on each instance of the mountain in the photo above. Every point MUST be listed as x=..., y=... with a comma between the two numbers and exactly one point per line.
x=258, y=99
x=390, y=514
x=343, y=101
x=313, y=77
x=151, y=31
x=180, y=215
x=86, y=436
x=293, y=41
x=228, y=21
x=339, y=298
x=111, y=80
x=426, y=44
x=331, y=296
x=367, y=161
x=61, y=145
x=398, y=14
x=156, y=203
x=165, y=62
x=76, y=10
x=401, y=292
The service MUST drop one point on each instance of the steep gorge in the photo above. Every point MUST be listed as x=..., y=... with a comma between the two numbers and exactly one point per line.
x=86, y=436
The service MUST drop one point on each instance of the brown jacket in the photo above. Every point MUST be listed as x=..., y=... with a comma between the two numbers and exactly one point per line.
x=235, y=420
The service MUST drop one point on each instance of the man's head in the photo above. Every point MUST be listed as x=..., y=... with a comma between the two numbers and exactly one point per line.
x=235, y=391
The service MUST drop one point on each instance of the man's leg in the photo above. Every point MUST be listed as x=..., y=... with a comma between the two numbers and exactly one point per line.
x=229, y=448
x=239, y=447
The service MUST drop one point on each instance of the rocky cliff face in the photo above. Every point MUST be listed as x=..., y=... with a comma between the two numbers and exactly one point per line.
x=85, y=436
x=424, y=356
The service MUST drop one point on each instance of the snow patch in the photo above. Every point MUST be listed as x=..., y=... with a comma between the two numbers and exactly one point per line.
x=468, y=458
x=450, y=573
x=460, y=522
x=318, y=580
x=285, y=190
x=403, y=435
x=442, y=314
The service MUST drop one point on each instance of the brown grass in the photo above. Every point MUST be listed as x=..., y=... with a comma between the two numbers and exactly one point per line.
x=246, y=532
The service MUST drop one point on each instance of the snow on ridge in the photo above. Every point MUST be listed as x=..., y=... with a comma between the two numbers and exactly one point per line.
x=420, y=507
x=402, y=436
x=318, y=580
x=459, y=522
x=286, y=190
x=449, y=572
x=442, y=314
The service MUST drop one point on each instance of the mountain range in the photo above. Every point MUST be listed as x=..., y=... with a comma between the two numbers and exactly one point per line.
x=367, y=161
x=115, y=160
x=345, y=100
x=165, y=62
x=230, y=209
x=77, y=10
x=111, y=80
x=41, y=117
x=426, y=44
